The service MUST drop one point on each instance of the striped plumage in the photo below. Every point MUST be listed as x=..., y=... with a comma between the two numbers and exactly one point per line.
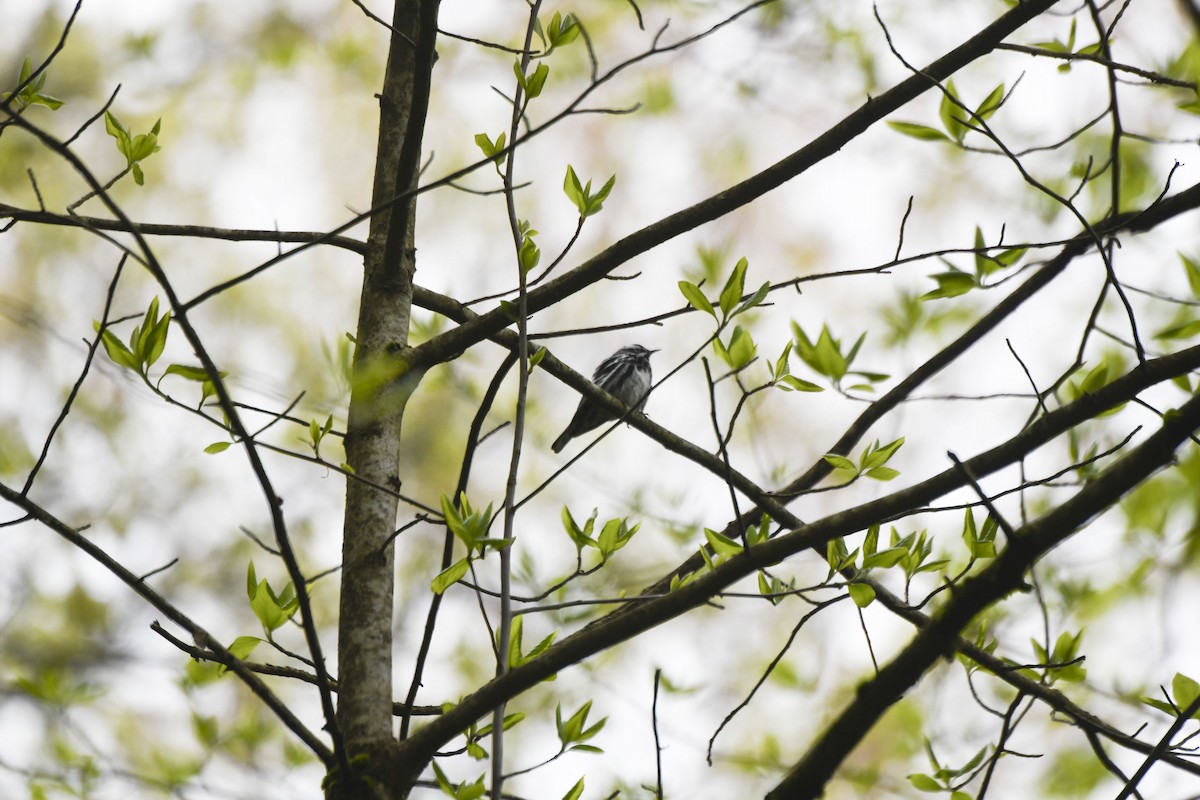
x=626, y=376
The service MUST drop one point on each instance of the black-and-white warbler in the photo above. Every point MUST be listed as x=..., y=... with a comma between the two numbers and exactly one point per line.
x=626, y=376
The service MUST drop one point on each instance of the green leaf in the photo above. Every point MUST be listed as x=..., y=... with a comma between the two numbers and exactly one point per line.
x=781, y=366
x=951, y=284
x=118, y=352
x=31, y=93
x=924, y=783
x=243, y=646
x=1182, y=330
x=490, y=149
x=530, y=254
x=837, y=556
x=581, y=536
x=269, y=609
x=885, y=558
x=522, y=81
x=722, y=545
x=754, y=300
x=1011, y=256
x=537, y=357
x=951, y=114
x=575, y=792
x=574, y=190
x=1184, y=691
x=515, y=634
x=741, y=348
x=840, y=462
x=540, y=647
x=922, y=132
x=442, y=781
x=1193, y=274
x=877, y=456
x=991, y=104
x=217, y=447
x=450, y=576
x=1161, y=705
x=198, y=374
x=613, y=536
x=1095, y=379
x=156, y=339
x=732, y=293
x=983, y=263
x=695, y=298
x=537, y=81
x=871, y=542
x=240, y=648
x=484, y=143
x=791, y=382
x=596, y=201
x=861, y=594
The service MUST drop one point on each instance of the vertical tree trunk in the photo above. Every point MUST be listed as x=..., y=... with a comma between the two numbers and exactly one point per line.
x=380, y=391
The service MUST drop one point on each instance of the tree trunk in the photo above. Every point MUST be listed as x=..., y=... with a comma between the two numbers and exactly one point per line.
x=381, y=387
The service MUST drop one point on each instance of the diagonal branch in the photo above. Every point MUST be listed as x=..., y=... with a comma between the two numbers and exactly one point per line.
x=449, y=344
x=637, y=618
x=250, y=447
x=1006, y=574
x=199, y=634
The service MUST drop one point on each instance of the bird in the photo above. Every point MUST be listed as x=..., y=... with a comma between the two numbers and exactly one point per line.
x=626, y=376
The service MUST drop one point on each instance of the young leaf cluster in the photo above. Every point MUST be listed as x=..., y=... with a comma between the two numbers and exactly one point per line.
x=562, y=30
x=1184, y=691
x=477, y=733
x=981, y=542
x=530, y=254
x=1185, y=325
x=581, y=195
x=461, y=791
x=492, y=149
x=1063, y=662
x=718, y=548
x=730, y=302
x=516, y=655
x=31, y=95
x=614, y=534
x=826, y=357
x=574, y=731
x=135, y=148
x=272, y=608
x=469, y=527
x=871, y=462
x=953, y=114
x=146, y=344
x=740, y=349
x=946, y=779
x=782, y=377
x=909, y=553
x=954, y=281
x=317, y=432
x=1068, y=48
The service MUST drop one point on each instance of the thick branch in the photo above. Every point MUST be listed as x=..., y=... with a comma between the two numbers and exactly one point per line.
x=373, y=426
x=636, y=618
x=1007, y=574
x=449, y=344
